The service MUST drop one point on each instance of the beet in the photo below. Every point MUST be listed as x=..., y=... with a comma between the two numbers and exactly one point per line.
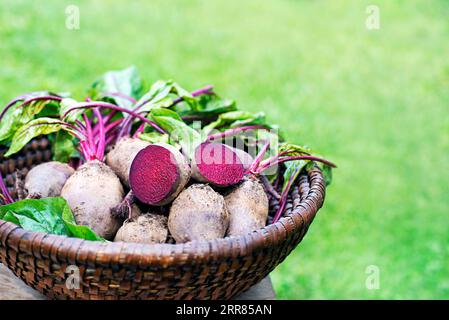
x=248, y=207
x=158, y=174
x=146, y=228
x=47, y=179
x=91, y=192
x=198, y=213
x=218, y=164
x=121, y=156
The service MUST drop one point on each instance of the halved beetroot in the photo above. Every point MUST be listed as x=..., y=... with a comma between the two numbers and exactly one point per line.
x=218, y=164
x=158, y=174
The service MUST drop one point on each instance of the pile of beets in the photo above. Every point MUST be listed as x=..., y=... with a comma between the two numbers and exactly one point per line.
x=162, y=166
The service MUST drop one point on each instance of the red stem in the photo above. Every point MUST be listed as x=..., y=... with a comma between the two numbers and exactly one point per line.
x=108, y=127
x=120, y=95
x=126, y=127
x=283, y=201
x=205, y=90
x=15, y=100
x=139, y=130
x=259, y=157
x=275, y=160
x=101, y=139
x=113, y=125
x=109, y=116
x=84, y=149
x=90, y=139
x=4, y=190
x=86, y=105
x=110, y=138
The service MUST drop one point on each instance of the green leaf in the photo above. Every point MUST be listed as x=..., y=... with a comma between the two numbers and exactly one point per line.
x=17, y=116
x=294, y=149
x=48, y=215
x=177, y=129
x=9, y=216
x=40, y=215
x=292, y=171
x=209, y=106
x=327, y=173
x=162, y=94
x=51, y=109
x=154, y=137
x=161, y=112
x=158, y=94
x=234, y=119
x=74, y=115
x=125, y=82
x=64, y=147
x=32, y=129
x=75, y=230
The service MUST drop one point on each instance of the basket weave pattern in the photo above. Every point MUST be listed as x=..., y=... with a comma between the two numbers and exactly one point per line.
x=217, y=269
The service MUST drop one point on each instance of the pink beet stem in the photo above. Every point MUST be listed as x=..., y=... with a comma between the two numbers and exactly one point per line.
x=4, y=190
x=90, y=138
x=234, y=132
x=109, y=116
x=269, y=187
x=84, y=149
x=259, y=157
x=276, y=160
x=120, y=95
x=101, y=137
x=86, y=105
x=139, y=130
x=113, y=125
x=110, y=138
x=73, y=129
x=80, y=125
x=205, y=90
x=283, y=200
x=12, y=102
x=126, y=127
x=108, y=127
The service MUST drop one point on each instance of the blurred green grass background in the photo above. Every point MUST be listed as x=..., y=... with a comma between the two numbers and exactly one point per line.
x=373, y=101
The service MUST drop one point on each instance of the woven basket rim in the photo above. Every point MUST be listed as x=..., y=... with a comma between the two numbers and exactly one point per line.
x=73, y=250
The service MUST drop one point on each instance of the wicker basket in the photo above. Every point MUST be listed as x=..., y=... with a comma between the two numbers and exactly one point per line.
x=217, y=269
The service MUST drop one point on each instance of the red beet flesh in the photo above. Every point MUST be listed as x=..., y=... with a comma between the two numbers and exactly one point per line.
x=218, y=164
x=154, y=174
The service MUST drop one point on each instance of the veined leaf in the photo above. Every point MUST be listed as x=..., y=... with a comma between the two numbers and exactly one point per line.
x=177, y=129
x=64, y=147
x=32, y=129
x=163, y=94
x=209, y=106
x=292, y=170
x=67, y=104
x=154, y=137
x=49, y=215
x=117, y=86
x=234, y=119
x=17, y=116
x=77, y=231
x=294, y=150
